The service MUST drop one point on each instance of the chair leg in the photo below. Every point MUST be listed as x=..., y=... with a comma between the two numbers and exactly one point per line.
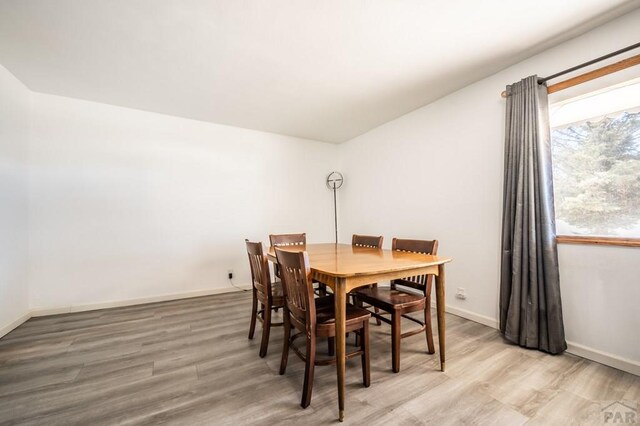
x=331, y=346
x=254, y=310
x=366, y=365
x=395, y=341
x=357, y=302
x=322, y=289
x=286, y=340
x=427, y=328
x=266, y=328
x=309, y=369
x=377, y=311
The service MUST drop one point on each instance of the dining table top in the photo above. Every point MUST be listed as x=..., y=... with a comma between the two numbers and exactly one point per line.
x=346, y=260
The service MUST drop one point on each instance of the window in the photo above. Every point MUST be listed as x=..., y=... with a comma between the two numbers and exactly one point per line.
x=596, y=163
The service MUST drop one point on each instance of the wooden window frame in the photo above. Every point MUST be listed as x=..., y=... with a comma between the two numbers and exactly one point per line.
x=599, y=241
x=591, y=75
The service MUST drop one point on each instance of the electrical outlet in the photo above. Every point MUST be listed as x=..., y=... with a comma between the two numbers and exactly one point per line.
x=461, y=293
x=230, y=274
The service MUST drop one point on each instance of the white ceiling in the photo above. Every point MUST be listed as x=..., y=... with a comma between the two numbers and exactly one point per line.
x=326, y=70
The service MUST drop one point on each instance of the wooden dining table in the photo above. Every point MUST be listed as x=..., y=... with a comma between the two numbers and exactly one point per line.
x=343, y=267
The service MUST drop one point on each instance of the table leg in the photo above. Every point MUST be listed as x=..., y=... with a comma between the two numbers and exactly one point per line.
x=340, y=310
x=440, y=302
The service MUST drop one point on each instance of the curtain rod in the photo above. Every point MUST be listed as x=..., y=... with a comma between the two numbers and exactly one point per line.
x=591, y=62
x=583, y=65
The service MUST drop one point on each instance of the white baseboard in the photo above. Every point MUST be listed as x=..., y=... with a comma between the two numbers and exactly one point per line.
x=7, y=328
x=38, y=312
x=482, y=319
x=582, y=351
x=605, y=358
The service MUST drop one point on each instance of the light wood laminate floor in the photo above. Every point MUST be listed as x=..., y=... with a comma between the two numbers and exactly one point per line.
x=190, y=362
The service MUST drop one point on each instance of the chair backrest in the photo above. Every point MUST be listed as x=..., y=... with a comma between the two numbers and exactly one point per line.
x=419, y=282
x=297, y=287
x=260, y=276
x=366, y=241
x=284, y=240
x=279, y=240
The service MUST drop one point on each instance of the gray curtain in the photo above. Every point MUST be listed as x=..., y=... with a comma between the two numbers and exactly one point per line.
x=530, y=305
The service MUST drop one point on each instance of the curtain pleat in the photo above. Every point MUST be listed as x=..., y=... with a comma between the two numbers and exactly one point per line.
x=530, y=302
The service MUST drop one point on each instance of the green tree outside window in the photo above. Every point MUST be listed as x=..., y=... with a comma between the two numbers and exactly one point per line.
x=596, y=166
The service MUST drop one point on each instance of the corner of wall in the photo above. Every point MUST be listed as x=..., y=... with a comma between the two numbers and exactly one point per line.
x=15, y=110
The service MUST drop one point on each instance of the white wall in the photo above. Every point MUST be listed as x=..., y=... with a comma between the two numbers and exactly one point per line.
x=437, y=173
x=14, y=127
x=128, y=205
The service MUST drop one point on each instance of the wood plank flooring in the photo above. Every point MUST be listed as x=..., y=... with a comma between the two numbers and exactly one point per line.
x=190, y=362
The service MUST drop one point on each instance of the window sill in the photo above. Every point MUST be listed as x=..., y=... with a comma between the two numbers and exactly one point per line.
x=601, y=241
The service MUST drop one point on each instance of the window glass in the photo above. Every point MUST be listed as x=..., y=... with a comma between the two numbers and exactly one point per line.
x=596, y=162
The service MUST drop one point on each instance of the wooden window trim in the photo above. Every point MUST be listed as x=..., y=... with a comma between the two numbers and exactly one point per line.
x=591, y=75
x=601, y=241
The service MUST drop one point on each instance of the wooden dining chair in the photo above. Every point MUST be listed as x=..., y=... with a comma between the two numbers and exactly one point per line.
x=406, y=295
x=284, y=240
x=371, y=242
x=266, y=293
x=314, y=318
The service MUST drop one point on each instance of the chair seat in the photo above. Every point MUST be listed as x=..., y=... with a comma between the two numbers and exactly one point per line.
x=390, y=299
x=326, y=318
